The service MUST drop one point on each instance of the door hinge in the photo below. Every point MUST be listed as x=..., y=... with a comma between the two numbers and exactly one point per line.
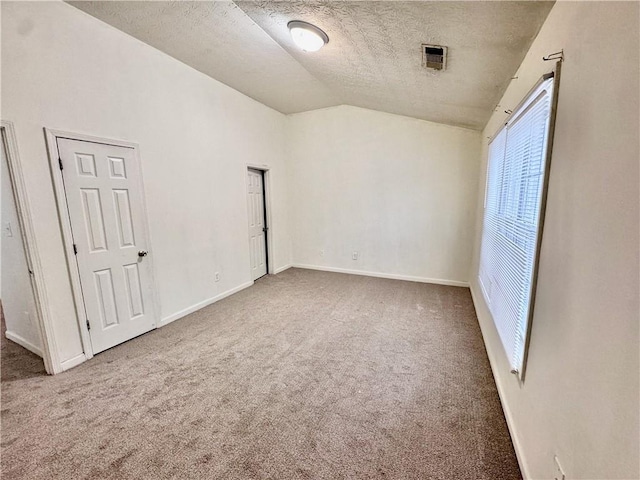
x=60, y=163
x=75, y=249
x=88, y=326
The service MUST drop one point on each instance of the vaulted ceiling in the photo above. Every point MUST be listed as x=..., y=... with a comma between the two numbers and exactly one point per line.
x=373, y=58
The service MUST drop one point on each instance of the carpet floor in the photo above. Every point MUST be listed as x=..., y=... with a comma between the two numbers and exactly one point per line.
x=305, y=375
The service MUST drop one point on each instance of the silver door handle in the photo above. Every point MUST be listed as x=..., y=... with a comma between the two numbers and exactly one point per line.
x=142, y=253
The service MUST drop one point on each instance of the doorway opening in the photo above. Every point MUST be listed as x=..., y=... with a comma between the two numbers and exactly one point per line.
x=26, y=320
x=257, y=202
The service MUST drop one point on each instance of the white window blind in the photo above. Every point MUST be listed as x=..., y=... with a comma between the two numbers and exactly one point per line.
x=513, y=202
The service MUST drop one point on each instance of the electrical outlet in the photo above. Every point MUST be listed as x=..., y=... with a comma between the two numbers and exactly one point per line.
x=217, y=276
x=559, y=473
x=354, y=255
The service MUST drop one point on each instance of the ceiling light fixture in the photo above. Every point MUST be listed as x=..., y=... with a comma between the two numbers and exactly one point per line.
x=307, y=36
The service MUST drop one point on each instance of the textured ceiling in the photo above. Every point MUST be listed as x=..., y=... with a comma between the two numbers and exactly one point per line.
x=373, y=59
x=219, y=39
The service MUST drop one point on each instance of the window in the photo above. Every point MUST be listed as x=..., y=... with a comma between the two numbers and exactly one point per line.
x=513, y=215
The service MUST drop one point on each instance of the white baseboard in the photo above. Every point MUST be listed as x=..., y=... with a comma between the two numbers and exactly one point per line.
x=194, y=308
x=282, y=269
x=73, y=362
x=392, y=276
x=23, y=342
x=505, y=407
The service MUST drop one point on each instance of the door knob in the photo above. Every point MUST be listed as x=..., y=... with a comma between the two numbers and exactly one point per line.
x=142, y=253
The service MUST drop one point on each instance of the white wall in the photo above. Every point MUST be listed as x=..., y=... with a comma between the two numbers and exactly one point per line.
x=399, y=191
x=66, y=70
x=18, y=303
x=580, y=396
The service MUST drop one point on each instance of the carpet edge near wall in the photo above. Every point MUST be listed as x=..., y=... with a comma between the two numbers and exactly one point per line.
x=513, y=433
x=390, y=276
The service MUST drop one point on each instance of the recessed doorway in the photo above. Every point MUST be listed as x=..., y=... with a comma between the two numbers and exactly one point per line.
x=258, y=243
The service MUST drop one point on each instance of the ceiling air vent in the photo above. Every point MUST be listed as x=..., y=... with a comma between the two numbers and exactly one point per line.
x=434, y=57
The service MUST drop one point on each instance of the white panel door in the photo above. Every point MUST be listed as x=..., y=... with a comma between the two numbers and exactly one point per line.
x=102, y=185
x=257, y=228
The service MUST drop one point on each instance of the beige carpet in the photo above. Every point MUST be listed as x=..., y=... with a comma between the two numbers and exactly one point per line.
x=306, y=375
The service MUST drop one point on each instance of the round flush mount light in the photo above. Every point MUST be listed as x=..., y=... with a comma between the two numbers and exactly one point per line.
x=307, y=36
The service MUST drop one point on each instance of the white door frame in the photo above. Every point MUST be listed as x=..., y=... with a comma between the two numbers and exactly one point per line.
x=265, y=169
x=43, y=314
x=52, y=136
